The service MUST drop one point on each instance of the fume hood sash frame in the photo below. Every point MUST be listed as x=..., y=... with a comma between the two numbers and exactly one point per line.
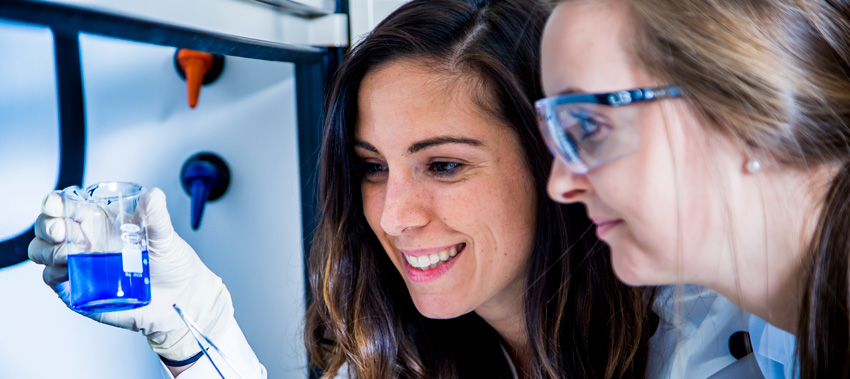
x=313, y=70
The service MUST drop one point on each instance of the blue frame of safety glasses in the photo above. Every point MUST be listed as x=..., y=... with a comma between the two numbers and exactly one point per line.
x=547, y=113
x=613, y=98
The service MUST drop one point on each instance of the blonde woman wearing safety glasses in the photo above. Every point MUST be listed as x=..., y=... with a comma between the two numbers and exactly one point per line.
x=709, y=142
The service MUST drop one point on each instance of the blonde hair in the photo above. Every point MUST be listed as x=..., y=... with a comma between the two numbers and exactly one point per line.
x=774, y=75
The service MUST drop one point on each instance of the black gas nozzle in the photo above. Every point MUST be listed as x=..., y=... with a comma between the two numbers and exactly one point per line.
x=205, y=177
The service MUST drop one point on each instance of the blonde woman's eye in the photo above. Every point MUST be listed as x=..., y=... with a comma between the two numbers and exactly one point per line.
x=590, y=126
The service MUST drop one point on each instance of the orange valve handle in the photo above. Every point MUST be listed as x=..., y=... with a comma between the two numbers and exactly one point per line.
x=195, y=64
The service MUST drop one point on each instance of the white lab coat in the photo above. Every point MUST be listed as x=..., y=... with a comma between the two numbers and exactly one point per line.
x=235, y=347
x=774, y=349
x=692, y=341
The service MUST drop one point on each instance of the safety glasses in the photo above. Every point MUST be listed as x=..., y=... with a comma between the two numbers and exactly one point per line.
x=587, y=130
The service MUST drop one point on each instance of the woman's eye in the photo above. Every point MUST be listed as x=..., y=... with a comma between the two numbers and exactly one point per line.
x=444, y=169
x=590, y=126
x=371, y=170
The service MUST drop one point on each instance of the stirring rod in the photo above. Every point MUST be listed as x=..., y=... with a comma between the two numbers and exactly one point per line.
x=195, y=331
x=192, y=331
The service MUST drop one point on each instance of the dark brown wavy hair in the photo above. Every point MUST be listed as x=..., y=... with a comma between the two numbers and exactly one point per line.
x=775, y=76
x=581, y=321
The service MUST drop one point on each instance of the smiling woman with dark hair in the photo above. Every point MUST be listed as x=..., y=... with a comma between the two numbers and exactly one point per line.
x=437, y=253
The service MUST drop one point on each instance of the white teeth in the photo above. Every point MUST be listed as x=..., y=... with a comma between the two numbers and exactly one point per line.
x=431, y=261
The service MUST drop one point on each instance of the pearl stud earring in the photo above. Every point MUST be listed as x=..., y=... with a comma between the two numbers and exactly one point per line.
x=753, y=166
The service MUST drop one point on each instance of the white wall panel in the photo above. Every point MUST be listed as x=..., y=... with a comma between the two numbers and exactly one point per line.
x=366, y=14
x=28, y=125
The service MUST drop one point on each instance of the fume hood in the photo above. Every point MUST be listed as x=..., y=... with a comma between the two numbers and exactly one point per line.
x=89, y=91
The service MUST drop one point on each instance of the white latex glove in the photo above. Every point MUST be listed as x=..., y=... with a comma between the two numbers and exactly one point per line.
x=177, y=277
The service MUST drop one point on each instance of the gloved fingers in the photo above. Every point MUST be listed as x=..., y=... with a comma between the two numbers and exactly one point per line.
x=131, y=319
x=57, y=229
x=53, y=254
x=42, y=252
x=50, y=229
x=54, y=205
x=158, y=221
x=54, y=275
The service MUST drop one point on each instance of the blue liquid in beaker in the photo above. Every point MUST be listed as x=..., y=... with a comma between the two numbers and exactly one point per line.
x=99, y=284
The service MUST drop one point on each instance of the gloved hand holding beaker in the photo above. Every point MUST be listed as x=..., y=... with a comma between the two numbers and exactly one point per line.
x=177, y=275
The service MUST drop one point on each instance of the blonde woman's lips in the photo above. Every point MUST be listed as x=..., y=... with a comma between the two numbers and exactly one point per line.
x=605, y=226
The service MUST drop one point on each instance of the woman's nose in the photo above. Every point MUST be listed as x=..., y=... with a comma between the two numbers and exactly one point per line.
x=566, y=186
x=405, y=206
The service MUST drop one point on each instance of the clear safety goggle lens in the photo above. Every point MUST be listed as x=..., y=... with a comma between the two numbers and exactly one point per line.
x=586, y=135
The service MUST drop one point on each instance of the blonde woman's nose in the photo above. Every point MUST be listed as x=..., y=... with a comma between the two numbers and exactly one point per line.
x=566, y=186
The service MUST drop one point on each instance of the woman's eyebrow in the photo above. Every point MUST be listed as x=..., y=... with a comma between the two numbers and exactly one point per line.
x=442, y=140
x=365, y=145
x=421, y=145
x=571, y=90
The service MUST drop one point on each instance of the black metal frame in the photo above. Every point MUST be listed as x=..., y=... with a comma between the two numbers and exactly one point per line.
x=313, y=69
x=72, y=132
x=65, y=17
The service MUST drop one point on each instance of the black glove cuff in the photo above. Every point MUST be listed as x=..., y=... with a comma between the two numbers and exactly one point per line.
x=184, y=362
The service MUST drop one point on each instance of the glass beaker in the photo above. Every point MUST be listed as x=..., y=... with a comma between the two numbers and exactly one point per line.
x=108, y=264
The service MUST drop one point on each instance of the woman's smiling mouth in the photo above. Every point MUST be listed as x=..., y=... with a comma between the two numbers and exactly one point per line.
x=433, y=260
x=425, y=266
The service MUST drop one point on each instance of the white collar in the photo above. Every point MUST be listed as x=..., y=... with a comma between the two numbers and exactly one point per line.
x=510, y=361
x=774, y=348
x=684, y=306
